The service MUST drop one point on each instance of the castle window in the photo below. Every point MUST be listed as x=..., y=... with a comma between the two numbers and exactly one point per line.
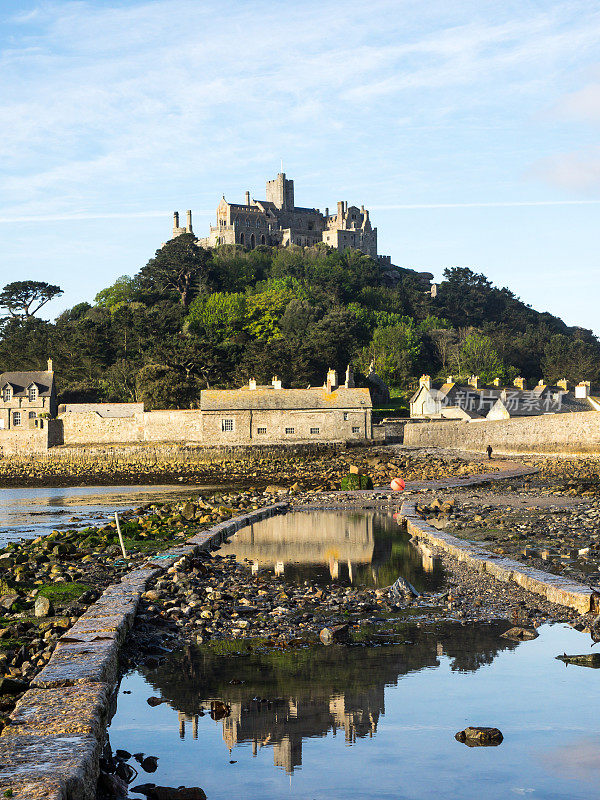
x=346, y=416
x=355, y=429
x=290, y=430
x=33, y=393
x=241, y=238
x=226, y=425
x=261, y=430
x=7, y=394
x=315, y=430
x=263, y=240
x=252, y=241
x=17, y=418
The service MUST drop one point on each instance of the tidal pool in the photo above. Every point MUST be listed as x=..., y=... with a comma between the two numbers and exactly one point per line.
x=362, y=548
x=30, y=512
x=364, y=722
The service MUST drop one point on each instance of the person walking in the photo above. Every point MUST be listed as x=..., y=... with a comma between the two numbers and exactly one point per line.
x=489, y=450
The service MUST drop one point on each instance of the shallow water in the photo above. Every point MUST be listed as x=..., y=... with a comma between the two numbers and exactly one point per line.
x=30, y=512
x=361, y=548
x=357, y=722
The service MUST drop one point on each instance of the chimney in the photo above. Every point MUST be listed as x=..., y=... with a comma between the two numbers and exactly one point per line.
x=50, y=365
x=519, y=383
x=188, y=227
x=349, y=382
x=582, y=390
x=541, y=384
x=340, y=208
x=326, y=213
x=496, y=382
x=175, y=220
x=252, y=384
x=275, y=382
x=247, y=198
x=425, y=381
x=563, y=383
x=332, y=380
x=474, y=381
x=450, y=379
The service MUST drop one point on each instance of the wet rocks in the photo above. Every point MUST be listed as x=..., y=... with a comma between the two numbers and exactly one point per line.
x=338, y=633
x=520, y=634
x=585, y=660
x=479, y=737
x=42, y=606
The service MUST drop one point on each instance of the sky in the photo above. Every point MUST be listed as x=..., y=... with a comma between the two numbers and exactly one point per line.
x=470, y=129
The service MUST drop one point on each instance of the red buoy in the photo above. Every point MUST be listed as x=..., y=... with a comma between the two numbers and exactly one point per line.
x=397, y=484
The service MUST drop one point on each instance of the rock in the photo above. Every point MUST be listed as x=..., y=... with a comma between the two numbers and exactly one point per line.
x=338, y=633
x=7, y=600
x=149, y=764
x=188, y=511
x=401, y=588
x=520, y=634
x=585, y=660
x=479, y=737
x=153, y=792
x=43, y=606
x=12, y=686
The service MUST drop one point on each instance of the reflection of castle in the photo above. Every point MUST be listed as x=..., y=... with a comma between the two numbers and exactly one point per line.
x=283, y=725
x=311, y=691
x=308, y=538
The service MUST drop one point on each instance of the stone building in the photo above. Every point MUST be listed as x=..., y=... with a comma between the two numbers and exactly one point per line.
x=277, y=221
x=27, y=399
x=269, y=414
x=474, y=401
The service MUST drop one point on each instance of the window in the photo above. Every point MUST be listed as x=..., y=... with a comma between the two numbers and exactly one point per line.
x=261, y=430
x=17, y=418
x=33, y=393
x=32, y=415
x=226, y=425
x=315, y=430
x=355, y=429
x=346, y=416
x=241, y=238
x=7, y=394
x=290, y=430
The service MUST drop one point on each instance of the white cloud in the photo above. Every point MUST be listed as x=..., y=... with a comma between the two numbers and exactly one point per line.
x=582, y=105
x=577, y=172
x=104, y=103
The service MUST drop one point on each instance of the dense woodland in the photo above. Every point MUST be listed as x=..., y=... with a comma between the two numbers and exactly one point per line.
x=193, y=318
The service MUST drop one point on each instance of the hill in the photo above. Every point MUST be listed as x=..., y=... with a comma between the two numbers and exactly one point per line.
x=192, y=318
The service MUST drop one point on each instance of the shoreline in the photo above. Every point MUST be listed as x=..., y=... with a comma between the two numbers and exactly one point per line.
x=85, y=663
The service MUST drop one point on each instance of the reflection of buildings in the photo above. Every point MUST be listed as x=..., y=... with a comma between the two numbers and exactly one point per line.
x=283, y=724
x=307, y=538
x=311, y=692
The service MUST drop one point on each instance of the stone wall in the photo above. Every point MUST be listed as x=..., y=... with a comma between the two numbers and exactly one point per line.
x=561, y=434
x=205, y=427
x=21, y=441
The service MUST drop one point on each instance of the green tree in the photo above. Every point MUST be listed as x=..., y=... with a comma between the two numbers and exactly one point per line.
x=159, y=386
x=123, y=290
x=477, y=356
x=393, y=351
x=179, y=267
x=23, y=299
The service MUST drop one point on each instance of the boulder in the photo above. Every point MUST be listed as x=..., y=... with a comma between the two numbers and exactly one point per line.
x=520, y=634
x=337, y=633
x=42, y=607
x=479, y=737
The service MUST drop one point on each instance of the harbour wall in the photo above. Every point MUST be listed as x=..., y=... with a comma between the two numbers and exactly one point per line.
x=549, y=434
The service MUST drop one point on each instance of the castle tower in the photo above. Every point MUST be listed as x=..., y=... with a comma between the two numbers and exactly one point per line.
x=280, y=192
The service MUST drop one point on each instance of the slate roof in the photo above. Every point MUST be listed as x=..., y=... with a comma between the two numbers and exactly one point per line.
x=288, y=399
x=20, y=381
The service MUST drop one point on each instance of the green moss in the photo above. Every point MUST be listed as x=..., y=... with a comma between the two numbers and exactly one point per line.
x=351, y=482
x=63, y=592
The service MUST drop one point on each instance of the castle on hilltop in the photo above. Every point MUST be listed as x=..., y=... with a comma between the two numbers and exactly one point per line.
x=276, y=221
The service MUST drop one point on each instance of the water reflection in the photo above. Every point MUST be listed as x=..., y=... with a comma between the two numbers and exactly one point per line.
x=279, y=699
x=363, y=548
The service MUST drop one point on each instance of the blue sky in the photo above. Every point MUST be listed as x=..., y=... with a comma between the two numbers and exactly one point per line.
x=471, y=129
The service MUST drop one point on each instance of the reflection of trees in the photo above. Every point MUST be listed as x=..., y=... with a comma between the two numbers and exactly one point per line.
x=280, y=697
